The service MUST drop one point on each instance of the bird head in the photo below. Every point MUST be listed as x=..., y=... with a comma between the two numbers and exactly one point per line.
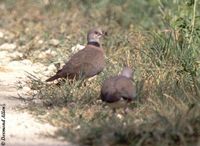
x=127, y=72
x=94, y=35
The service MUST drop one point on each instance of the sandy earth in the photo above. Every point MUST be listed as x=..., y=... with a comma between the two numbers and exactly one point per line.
x=21, y=128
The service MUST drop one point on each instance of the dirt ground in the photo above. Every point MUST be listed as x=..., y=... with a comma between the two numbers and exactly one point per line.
x=21, y=128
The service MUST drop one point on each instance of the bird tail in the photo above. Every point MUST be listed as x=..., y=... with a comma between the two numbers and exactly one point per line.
x=53, y=78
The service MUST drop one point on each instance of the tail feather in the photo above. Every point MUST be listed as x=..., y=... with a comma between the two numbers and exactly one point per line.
x=53, y=78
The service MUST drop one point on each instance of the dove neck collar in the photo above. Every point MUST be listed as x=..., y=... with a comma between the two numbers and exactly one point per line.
x=96, y=44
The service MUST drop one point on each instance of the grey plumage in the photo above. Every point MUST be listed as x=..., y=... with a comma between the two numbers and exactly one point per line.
x=118, y=90
x=87, y=62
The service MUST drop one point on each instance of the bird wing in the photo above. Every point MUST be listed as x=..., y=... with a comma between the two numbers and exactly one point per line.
x=108, y=91
x=84, y=62
x=125, y=88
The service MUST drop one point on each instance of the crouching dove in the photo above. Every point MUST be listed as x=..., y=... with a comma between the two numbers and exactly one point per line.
x=86, y=63
x=119, y=90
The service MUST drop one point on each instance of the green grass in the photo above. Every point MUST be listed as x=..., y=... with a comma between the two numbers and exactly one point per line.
x=159, y=39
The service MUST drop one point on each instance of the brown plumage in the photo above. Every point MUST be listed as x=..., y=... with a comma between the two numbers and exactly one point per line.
x=117, y=91
x=87, y=62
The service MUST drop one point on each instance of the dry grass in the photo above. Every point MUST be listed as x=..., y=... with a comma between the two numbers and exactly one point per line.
x=167, y=110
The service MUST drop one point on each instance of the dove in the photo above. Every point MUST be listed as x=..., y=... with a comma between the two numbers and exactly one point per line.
x=87, y=62
x=117, y=91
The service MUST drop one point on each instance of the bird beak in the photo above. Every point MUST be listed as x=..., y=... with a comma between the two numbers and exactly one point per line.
x=104, y=34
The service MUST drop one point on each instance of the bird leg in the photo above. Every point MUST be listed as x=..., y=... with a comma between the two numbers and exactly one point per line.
x=114, y=110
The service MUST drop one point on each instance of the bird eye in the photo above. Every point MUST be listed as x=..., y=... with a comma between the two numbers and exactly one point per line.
x=96, y=32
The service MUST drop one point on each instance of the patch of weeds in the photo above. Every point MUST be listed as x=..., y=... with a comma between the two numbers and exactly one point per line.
x=166, y=64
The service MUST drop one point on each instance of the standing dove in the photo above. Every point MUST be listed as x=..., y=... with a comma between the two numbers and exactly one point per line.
x=86, y=63
x=117, y=91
